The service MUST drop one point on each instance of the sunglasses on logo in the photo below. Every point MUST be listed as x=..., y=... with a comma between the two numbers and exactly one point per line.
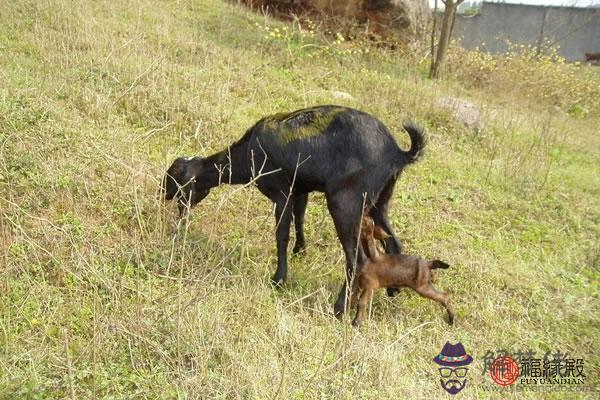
x=459, y=372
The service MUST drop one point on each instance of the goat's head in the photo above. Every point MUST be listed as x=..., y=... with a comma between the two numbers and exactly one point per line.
x=371, y=231
x=180, y=182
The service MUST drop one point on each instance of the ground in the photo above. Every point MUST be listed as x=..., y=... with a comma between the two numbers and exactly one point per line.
x=99, y=298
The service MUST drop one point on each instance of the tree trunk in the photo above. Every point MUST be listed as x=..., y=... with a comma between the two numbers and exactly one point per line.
x=433, y=32
x=445, y=34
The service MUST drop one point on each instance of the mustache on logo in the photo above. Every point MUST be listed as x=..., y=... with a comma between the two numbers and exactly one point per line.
x=453, y=382
x=453, y=386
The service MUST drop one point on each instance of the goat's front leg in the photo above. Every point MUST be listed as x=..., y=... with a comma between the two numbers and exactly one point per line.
x=283, y=219
x=363, y=302
x=300, y=201
x=356, y=290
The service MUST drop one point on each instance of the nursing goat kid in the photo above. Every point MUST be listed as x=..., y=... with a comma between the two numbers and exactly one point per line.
x=345, y=153
x=393, y=271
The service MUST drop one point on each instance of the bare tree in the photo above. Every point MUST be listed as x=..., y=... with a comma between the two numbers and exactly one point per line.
x=445, y=34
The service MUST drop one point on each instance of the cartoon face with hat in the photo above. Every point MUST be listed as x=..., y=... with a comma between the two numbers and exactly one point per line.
x=453, y=360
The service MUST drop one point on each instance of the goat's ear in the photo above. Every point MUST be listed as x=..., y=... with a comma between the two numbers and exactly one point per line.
x=379, y=233
x=173, y=178
x=439, y=264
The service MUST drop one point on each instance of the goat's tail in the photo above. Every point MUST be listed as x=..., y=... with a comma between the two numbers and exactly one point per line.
x=417, y=141
x=438, y=264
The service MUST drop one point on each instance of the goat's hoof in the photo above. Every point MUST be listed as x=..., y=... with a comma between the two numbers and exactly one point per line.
x=277, y=282
x=451, y=319
x=338, y=311
x=356, y=323
x=298, y=249
x=392, y=292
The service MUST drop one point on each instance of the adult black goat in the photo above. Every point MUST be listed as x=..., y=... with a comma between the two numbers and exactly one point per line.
x=345, y=153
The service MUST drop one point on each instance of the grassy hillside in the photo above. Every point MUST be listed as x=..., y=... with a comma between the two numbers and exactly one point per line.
x=100, y=299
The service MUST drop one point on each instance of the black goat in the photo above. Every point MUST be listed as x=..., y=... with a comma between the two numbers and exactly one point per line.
x=347, y=154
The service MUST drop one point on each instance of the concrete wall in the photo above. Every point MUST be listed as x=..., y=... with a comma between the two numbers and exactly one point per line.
x=575, y=30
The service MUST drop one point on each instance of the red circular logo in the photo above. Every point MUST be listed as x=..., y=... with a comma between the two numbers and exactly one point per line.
x=504, y=371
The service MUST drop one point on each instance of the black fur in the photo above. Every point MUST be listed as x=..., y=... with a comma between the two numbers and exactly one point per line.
x=342, y=152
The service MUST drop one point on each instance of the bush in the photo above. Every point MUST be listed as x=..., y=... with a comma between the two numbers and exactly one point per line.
x=545, y=78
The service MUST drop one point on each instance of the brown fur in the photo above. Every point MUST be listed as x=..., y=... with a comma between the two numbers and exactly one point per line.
x=368, y=232
x=393, y=271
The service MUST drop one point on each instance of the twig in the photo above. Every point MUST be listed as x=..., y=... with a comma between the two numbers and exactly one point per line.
x=409, y=332
x=137, y=80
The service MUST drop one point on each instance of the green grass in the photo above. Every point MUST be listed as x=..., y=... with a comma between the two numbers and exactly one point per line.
x=100, y=299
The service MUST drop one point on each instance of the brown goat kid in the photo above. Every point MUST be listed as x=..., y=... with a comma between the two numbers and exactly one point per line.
x=393, y=271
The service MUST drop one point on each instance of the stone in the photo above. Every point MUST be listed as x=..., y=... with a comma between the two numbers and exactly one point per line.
x=465, y=112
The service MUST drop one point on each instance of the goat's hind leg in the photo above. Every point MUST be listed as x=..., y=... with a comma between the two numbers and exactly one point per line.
x=380, y=216
x=345, y=208
x=379, y=213
x=442, y=298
